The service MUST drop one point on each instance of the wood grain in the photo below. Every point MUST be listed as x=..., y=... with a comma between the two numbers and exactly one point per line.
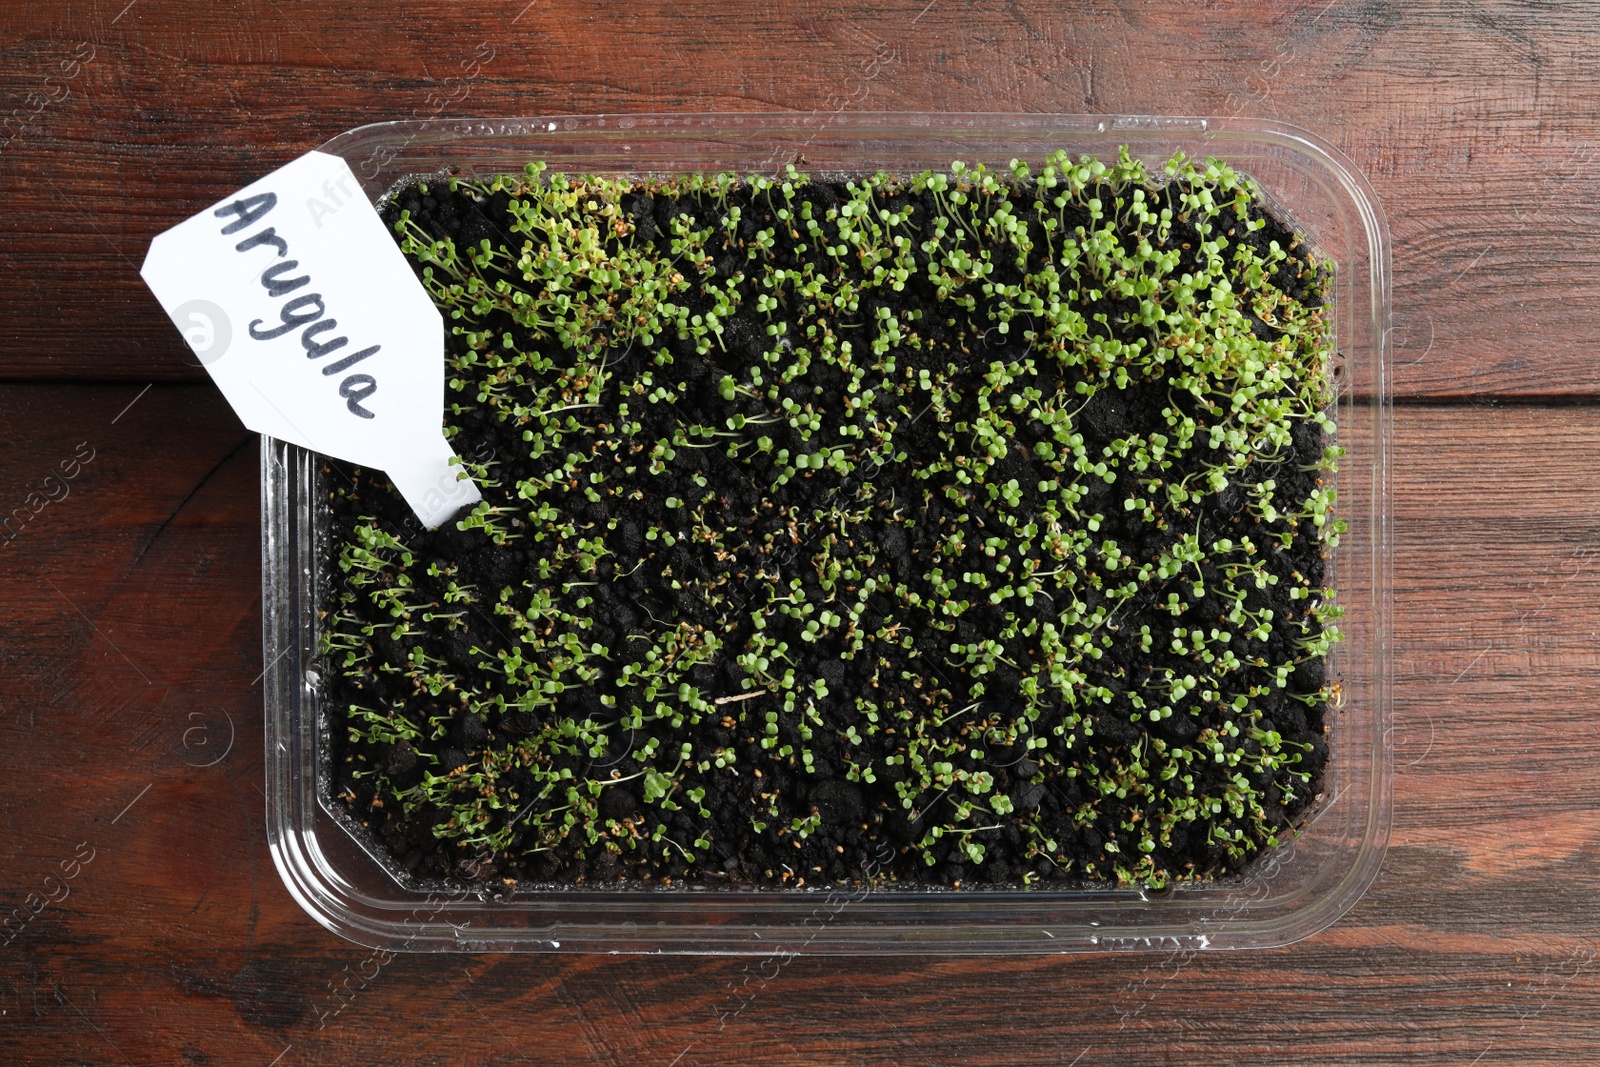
x=130, y=719
x=1479, y=126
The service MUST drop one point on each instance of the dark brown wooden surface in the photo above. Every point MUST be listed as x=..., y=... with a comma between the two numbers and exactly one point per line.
x=130, y=720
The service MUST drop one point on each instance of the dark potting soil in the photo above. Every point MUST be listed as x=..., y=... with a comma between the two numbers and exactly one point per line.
x=899, y=527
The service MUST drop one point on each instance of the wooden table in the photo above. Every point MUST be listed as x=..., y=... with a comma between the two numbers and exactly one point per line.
x=130, y=721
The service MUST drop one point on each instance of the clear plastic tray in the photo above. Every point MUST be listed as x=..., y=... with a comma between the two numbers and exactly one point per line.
x=1290, y=893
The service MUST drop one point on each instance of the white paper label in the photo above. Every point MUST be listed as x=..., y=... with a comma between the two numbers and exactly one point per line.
x=311, y=322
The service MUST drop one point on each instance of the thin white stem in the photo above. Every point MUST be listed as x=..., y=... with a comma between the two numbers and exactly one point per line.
x=743, y=696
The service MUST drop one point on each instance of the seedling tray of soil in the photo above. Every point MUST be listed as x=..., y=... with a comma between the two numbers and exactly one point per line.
x=939, y=535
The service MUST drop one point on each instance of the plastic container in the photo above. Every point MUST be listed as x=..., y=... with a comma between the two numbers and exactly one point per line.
x=1293, y=891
